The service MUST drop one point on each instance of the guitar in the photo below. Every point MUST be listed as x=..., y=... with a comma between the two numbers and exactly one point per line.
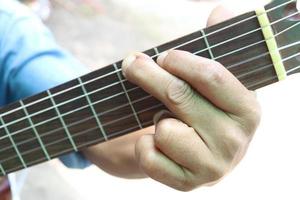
x=4, y=189
x=259, y=48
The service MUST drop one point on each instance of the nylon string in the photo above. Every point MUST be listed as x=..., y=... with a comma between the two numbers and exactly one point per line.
x=287, y=46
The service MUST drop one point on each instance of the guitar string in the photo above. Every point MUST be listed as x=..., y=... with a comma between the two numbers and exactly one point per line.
x=118, y=94
x=80, y=133
x=114, y=72
x=248, y=33
x=79, y=146
x=14, y=133
x=111, y=122
x=87, y=143
x=111, y=85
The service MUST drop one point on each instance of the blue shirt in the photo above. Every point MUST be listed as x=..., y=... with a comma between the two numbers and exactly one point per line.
x=31, y=61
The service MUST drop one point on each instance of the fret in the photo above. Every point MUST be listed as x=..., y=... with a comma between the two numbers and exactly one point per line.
x=13, y=143
x=191, y=43
x=3, y=172
x=207, y=44
x=92, y=108
x=77, y=113
x=35, y=131
x=128, y=98
x=239, y=32
x=116, y=120
x=246, y=53
x=142, y=100
x=110, y=98
x=62, y=121
x=156, y=51
x=47, y=123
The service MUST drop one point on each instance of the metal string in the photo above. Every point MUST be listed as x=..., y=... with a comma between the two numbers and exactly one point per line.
x=114, y=121
x=273, y=77
x=110, y=97
x=118, y=82
x=114, y=72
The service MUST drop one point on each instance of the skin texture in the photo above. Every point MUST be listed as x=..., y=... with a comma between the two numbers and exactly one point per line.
x=214, y=119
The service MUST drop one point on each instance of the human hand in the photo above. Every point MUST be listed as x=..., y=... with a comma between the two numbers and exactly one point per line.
x=216, y=117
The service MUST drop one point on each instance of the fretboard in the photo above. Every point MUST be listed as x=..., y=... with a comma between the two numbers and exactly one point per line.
x=103, y=105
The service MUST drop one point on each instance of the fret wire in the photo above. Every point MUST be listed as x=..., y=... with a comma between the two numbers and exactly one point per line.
x=155, y=55
x=128, y=98
x=216, y=31
x=79, y=133
x=35, y=131
x=207, y=45
x=64, y=114
x=2, y=170
x=63, y=103
x=131, y=115
x=13, y=143
x=229, y=67
x=93, y=128
x=93, y=109
x=156, y=51
x=153, y=107
x=80, y=121
x=79, y=146
x=100, y=89
x=62, y=121
x=270, y=65
x=139, y=112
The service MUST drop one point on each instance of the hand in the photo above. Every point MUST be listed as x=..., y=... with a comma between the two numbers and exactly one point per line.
x=216, y=117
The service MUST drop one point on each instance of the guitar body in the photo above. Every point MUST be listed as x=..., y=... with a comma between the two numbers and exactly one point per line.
x=5, y=193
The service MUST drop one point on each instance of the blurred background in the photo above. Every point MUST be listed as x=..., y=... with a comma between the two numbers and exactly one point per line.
x=99, y=32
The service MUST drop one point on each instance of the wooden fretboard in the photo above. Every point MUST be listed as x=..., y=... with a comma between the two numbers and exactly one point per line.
x=102, y=104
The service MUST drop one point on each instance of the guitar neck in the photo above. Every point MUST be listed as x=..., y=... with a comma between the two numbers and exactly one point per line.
x=103, y=105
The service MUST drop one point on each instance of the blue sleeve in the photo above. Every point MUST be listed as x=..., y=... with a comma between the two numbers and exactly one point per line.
x=31, y=61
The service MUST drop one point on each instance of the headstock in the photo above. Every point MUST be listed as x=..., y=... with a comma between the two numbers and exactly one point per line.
x=285, y=21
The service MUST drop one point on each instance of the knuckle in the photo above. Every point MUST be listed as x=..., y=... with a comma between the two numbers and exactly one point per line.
x=146, y=160
x=162, y=134
x=216, y=172
x=213, y=73
x=136, y=70
x=256, y=114
x=234, y=145
x=253, y=118
x=179, y=92
x=171, y=58
x=187, y=185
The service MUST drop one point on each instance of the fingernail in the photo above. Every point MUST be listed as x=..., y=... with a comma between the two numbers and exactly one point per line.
x=127, y=62
x=162, y=115
x=161, y=57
